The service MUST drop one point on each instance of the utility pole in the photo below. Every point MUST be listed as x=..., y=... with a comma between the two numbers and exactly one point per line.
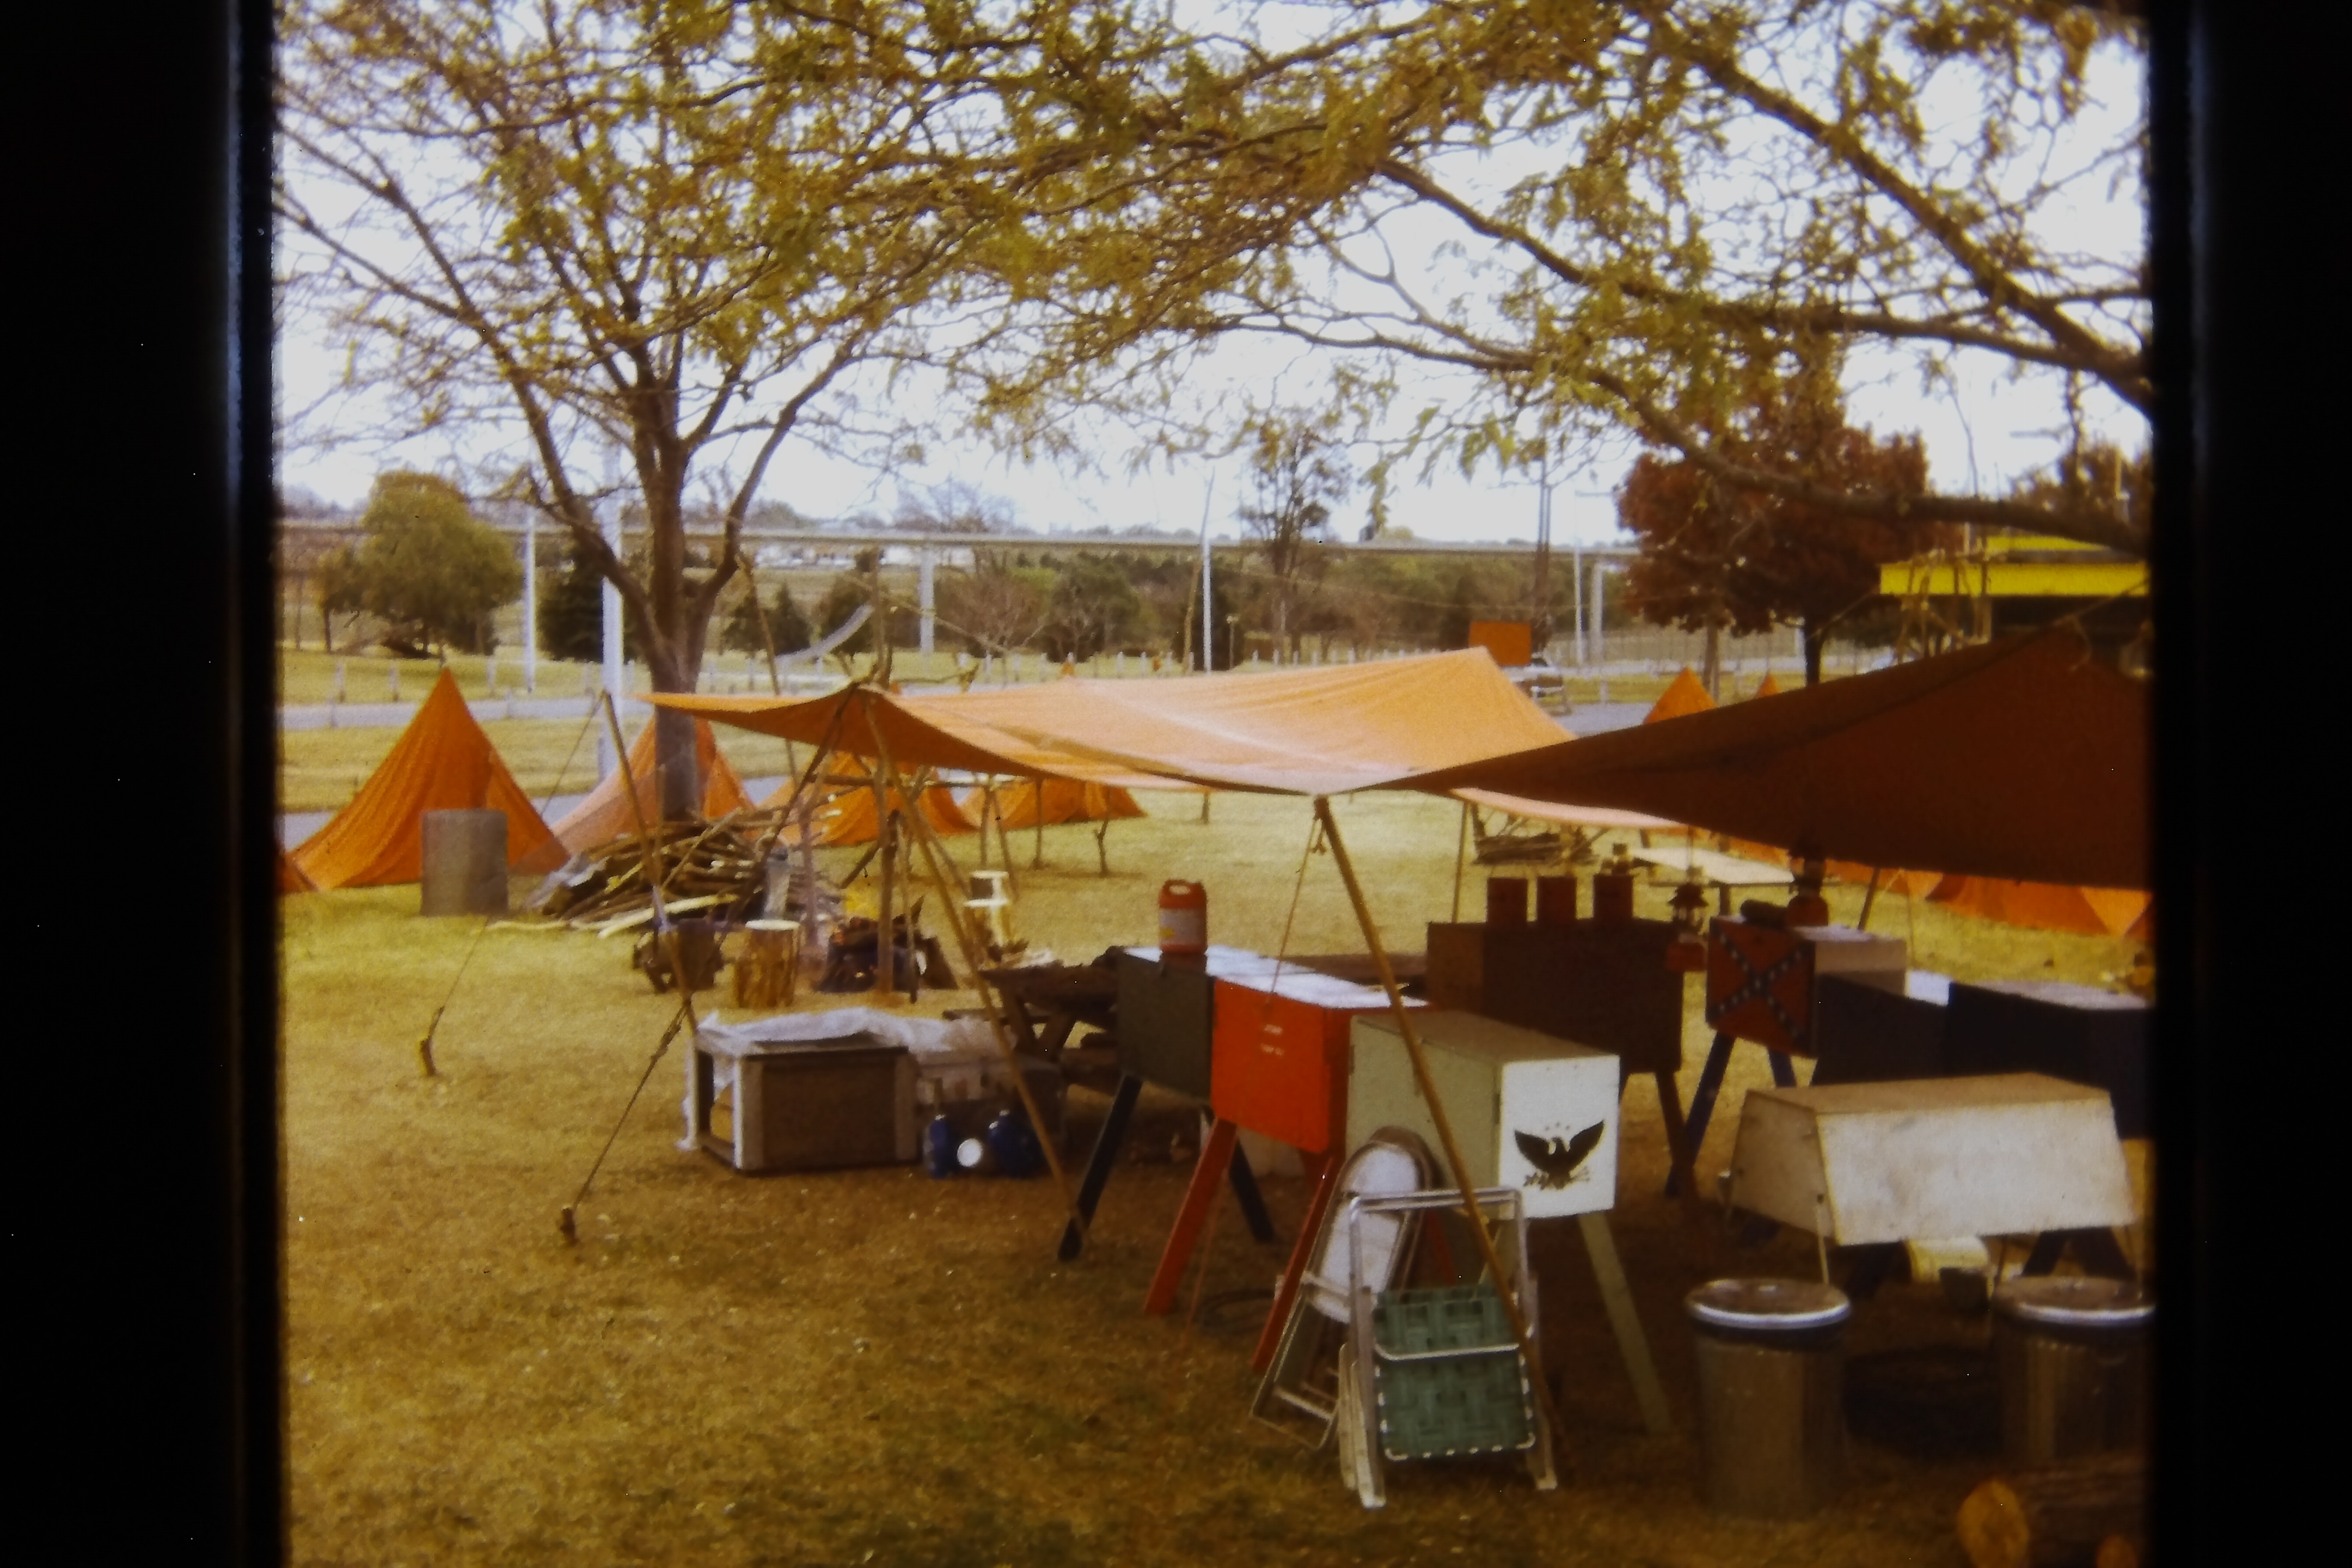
x=1540, y=620
x=529, y=601
x=1208, y=625
x=608, y=760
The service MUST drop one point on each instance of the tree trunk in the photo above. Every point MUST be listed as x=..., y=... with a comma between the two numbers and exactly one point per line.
x=1816, y=638
x=2088, y=1513
x=1712, y=675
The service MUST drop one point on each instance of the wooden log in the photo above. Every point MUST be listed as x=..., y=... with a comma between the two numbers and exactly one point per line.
x=2088, y=1513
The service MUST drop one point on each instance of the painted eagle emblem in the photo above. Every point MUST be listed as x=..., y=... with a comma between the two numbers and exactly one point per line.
x=1558, y=1163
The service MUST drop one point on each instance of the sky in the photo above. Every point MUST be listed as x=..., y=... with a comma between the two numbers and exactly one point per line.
x=1980, y=434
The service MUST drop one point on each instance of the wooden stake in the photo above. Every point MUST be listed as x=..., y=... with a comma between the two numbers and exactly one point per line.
x=1428, y=1087
x=975, y=956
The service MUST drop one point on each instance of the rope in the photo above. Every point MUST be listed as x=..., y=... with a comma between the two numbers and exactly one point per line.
x=425, y=1041
x=571, y=1231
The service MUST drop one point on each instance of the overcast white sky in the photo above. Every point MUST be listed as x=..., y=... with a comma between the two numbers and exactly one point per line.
x=1978, y=436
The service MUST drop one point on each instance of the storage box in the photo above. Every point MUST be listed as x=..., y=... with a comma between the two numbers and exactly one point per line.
x=1603, y=983
x=1878, y=1028
x=2075, y=1032
x=808, y=1105
x=970, y=1086
x=1167, y=1013
x=1280, y=1060
x=1759, y=978
x=1864, y=1162
x=1529, y=1110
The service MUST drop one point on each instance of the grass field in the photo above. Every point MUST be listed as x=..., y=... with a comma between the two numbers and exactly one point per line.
x=871, y=1367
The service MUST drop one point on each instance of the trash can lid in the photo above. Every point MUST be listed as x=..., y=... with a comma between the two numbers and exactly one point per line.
x=2078, y=1301
x=1768, y=1304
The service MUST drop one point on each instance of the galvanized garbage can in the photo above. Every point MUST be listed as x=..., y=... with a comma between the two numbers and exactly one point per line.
x=464, y=863
x=1771, y=1377
x=2073, y=1354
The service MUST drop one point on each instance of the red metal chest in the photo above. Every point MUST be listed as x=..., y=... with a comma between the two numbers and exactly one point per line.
x=1278, y=1064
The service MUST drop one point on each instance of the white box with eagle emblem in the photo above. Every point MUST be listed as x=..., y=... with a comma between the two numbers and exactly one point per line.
x=1529, y=1110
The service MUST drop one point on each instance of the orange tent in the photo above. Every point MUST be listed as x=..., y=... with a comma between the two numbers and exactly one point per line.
x=605, y=815
x=1065, y=800
x=442, y=761
x=2044, y=906
x=2023, y=757
x=1770, y=687
x=845, y=813
x=290, y=878
x=1685, y=696
x=1901, y=884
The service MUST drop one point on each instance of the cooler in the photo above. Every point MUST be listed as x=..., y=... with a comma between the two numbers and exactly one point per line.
x=1167, y=1013
x=1529, y=1110
x=2076, y=1032
x=1280, y=1061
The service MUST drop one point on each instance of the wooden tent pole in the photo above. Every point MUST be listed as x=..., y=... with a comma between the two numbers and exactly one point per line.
x=1460, y=853
x=1428, y=1087
x=1869, y=897
x=935, y=857
x=886, y=951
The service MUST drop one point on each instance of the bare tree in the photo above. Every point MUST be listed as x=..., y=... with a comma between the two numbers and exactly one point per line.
x=1296, y=471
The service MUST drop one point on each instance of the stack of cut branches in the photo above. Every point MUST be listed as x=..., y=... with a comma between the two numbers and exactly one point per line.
x=715, y=870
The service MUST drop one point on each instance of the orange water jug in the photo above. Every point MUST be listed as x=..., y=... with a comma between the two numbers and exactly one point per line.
x=1183, y=918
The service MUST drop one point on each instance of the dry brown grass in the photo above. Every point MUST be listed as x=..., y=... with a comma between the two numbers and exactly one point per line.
x=873, y=1367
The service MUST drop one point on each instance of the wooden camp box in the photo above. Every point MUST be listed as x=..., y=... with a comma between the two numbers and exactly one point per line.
x=1759, y=978
x=801, y=1105
x=1167, y=1013
x=1603, y=983
x=1280, y=1062
x=2076, y=1032
x=1862, y=1162
x=1500, y=1085
x=1879, y=1027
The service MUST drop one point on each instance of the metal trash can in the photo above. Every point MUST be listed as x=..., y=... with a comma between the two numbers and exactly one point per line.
x=464, y=863
x=2073, y=1354
x=1771, y=1376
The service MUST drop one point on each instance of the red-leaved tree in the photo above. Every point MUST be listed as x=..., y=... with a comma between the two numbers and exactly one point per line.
x=1715, y=558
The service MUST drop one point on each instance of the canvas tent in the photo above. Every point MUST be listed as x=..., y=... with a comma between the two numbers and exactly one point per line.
x=2020, y=758
x=442, y=761
x=1684, y=695
x=847, y=814
x=1025, y=803
x=2043, y=906
x=1768, y=688
x=605, y=815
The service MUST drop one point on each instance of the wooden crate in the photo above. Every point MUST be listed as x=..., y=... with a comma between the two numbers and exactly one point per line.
x=1759, y=978
x=1167, y=1013
x=1500, y=1084
x=2075, y=1032
x=1603, y=983
x=1862, y=1162
x=1881, y=1027
x=811, y=1105
x=1280, y=1062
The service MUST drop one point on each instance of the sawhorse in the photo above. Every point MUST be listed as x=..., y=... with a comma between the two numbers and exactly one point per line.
x=1113, y=1137
x=1702, y=1106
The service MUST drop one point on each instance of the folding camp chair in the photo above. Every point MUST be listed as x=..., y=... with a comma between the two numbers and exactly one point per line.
x=1438, y=1374
x=1303, y=1379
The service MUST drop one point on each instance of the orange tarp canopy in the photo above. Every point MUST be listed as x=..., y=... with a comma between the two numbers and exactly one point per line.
x=2043, y=906
x=1322, y=730
x=442, y=761
x=1552, y=811
x=1686, y=695
x=605, y=815
x=1065, y=800
x=2020, y=758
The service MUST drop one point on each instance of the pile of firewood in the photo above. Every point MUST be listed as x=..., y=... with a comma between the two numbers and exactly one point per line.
x=711, y=870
